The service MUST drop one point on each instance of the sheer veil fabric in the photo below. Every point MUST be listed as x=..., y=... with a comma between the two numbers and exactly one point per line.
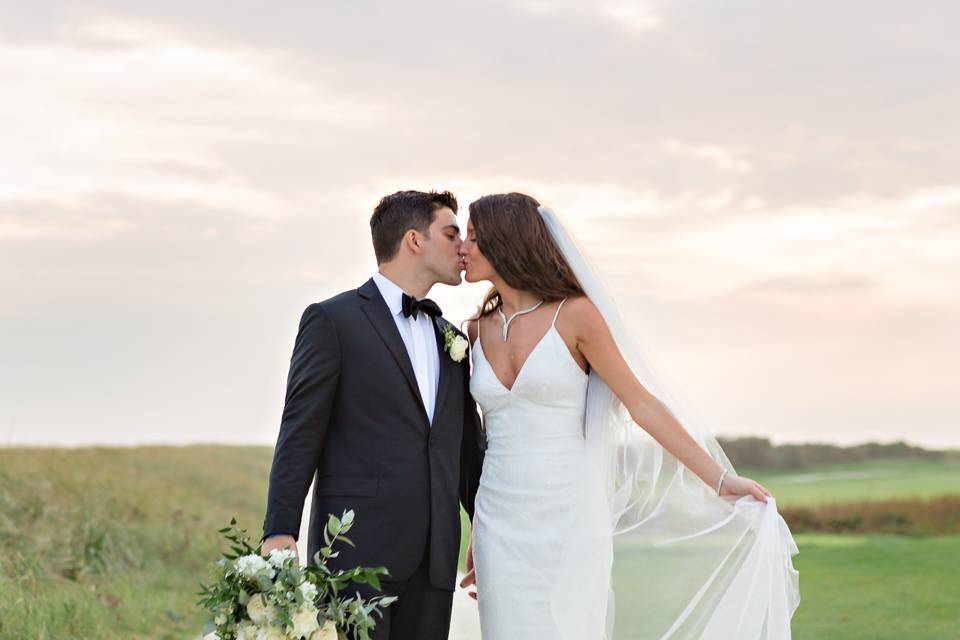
x=709, y=567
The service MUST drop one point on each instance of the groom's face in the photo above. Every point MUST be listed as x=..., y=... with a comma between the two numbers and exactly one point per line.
x=441, y=249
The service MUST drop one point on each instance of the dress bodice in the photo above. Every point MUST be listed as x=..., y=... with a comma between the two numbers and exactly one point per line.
x=547, y=399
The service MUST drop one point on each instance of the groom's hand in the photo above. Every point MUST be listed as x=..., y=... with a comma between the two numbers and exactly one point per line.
x=281, y=541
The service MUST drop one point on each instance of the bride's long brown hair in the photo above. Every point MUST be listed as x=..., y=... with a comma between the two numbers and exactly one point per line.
x=514, y=239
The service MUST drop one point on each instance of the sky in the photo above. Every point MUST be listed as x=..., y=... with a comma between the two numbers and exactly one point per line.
x=771, y=191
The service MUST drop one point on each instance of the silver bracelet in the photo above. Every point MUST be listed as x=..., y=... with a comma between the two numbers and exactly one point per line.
x=720, y=482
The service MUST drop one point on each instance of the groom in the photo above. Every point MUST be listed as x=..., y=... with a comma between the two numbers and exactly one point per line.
x=380, y=417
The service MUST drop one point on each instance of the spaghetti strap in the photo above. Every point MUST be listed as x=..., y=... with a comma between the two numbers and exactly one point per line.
x=554, y=315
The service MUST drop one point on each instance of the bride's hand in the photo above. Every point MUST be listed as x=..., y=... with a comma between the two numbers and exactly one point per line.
x=734, y=485
x=471, y=576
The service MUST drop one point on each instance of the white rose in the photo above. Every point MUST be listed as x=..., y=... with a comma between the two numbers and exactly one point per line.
x=308, y=590
x=327, y=632
x=259, y=611
x=246, y=631
x=305, y=620
x=271, y=633
x=458, y=348
x=279, y=556
x=253, y=565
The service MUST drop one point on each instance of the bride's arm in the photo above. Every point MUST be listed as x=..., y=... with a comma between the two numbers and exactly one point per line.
x=595, y=342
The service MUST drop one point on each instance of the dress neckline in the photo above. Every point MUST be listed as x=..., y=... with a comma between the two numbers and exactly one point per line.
x=478, y=347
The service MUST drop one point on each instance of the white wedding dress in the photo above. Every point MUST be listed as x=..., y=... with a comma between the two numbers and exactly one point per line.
x=530, y=489
x=567, y=470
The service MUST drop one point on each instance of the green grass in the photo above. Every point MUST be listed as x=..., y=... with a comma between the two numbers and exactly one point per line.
x=878, y=587
x=868, y=480
x=852, y=587
x=113, y=543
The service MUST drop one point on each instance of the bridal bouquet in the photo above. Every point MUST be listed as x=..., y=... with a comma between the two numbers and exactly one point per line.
x=273, y=598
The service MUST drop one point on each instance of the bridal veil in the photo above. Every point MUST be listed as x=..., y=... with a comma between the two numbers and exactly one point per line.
x=711, y=566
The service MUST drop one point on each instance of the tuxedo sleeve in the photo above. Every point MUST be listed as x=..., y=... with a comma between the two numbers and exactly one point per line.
x=311, y=387
x=471, y=450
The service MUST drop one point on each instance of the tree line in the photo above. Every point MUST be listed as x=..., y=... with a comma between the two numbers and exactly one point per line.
x=760, y=453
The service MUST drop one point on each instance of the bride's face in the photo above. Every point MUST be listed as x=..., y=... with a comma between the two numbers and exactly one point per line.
x=477, y=267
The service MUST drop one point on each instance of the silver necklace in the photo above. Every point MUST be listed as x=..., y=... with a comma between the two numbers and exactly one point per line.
x=506, y=323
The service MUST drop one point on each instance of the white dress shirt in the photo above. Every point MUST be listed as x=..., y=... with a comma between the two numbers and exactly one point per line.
x=419, y=339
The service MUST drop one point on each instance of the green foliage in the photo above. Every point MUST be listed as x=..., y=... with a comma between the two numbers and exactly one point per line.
x=283, y=588
x=448, y=337
x=352, y=615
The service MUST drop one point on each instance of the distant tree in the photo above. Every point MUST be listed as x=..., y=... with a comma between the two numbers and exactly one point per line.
x=759, y=453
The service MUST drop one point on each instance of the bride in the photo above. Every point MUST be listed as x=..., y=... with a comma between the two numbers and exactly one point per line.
x=583, y=443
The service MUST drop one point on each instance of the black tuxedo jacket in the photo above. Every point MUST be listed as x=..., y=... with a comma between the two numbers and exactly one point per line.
x=354, y=422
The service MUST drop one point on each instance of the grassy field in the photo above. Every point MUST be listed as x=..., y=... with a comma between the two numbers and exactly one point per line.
x=852, y=588
x=869, y=480
x=878, y=587
x=112, y=543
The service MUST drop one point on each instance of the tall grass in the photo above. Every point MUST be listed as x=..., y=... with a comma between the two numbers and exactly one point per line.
x=112, y=543
x=936, y=516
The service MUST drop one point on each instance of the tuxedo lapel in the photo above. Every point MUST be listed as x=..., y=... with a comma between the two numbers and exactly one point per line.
x=445, y=371
x=378, y=313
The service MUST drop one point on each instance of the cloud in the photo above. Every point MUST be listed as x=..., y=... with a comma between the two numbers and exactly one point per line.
x=723, y=159
x=179, y=179
x=628, y=15
x=460, y=82
x=811, y=284
x=159, y=117
x=635, y=16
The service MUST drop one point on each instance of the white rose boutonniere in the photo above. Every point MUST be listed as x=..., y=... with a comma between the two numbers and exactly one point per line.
x=454, y=344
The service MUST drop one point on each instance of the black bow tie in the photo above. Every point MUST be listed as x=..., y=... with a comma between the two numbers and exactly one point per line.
x=411, y=306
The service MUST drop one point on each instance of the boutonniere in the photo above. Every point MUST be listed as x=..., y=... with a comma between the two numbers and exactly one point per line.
x=454, y=344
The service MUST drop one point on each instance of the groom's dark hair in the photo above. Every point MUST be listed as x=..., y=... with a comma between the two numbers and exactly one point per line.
x=397, y=213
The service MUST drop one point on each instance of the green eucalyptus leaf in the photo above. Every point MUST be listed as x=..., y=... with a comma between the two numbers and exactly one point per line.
x=333, y=524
